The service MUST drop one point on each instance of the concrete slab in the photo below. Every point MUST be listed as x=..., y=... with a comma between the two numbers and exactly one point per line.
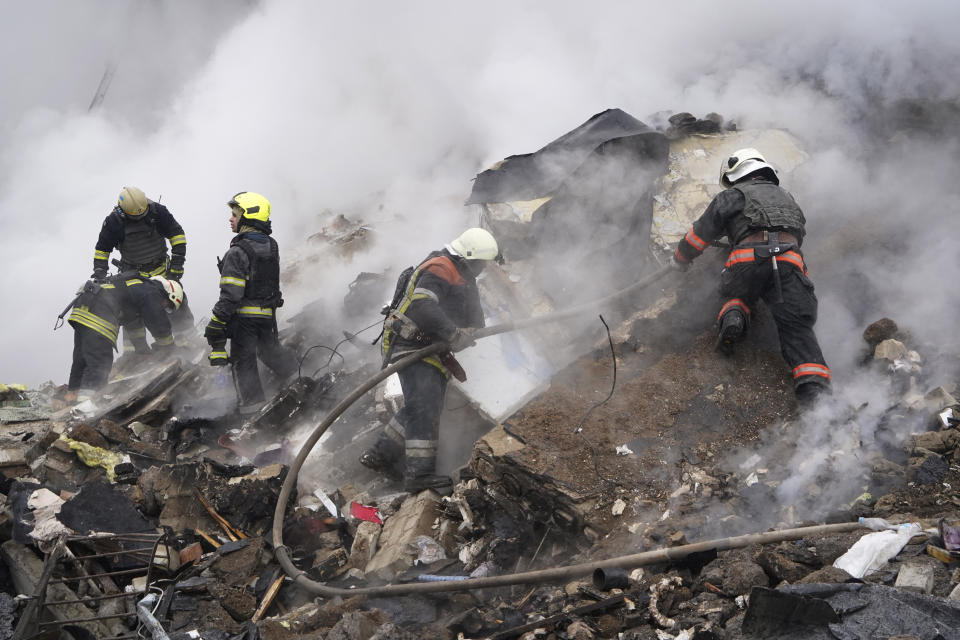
x=916, y=578
x=693, y=174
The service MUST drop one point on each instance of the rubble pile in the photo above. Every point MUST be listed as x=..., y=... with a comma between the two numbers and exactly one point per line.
x=152, y=505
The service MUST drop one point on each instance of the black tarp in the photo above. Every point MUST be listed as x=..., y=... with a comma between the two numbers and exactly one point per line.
x=534, y=175
x=593, y=235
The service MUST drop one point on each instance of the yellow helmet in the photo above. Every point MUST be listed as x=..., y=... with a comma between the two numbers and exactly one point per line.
x=132, y=202
x=253, y=206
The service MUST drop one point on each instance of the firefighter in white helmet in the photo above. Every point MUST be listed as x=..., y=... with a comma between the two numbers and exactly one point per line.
x=765, y=227
x=98, y=312
x=438, y=301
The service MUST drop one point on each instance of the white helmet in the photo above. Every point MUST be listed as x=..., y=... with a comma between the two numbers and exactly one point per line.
x=742, y=163
x=476, y=244
x=173, y=289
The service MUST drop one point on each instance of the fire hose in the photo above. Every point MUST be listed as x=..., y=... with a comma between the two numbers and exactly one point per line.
x=282, y=552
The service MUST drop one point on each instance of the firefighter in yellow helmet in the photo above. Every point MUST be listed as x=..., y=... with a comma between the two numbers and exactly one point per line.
x=436, y=302
x=765, y=227
x=99, y=311
x=246, y=312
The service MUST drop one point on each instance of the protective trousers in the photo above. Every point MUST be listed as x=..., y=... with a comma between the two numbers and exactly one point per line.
x=92, y=359
x=743, y=283
x=253, y=337
x=413, y=433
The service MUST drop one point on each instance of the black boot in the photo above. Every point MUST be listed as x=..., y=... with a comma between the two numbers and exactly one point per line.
x=809, y=393
x=441, y=484
x=420, y=474
x=379, y=459
x=732, y=325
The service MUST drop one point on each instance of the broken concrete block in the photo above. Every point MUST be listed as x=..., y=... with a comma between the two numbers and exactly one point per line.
x=955, y=593
x=112, y=431
x=364, y=544
x=916, y=578
x=936, y=441
x=890, y=350
x=781, y=568
x=938, y=399
x=191, y=553
x=397, y=549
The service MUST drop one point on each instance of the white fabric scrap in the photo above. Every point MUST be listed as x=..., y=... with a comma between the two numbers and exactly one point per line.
x=45, y=506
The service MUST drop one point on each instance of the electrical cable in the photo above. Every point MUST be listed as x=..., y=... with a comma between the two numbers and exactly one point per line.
x=333, y=351
x=579, y=430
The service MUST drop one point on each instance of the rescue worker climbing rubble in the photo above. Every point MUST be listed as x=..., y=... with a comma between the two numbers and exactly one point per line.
x=99, y=311
x=436, y=302
x=246, y=312
x=141, y=228
x=765, y=227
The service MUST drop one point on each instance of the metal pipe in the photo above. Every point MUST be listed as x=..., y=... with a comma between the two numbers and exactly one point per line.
x=146, y=617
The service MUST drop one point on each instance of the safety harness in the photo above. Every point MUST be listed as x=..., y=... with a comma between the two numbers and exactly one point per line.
x=397, y=324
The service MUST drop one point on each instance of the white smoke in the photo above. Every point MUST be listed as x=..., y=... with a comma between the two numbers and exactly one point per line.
x=387, y=110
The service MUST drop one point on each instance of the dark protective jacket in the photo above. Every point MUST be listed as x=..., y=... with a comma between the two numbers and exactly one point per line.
x=752, y=205
x=749, y=206
x=107, y=306
x=249, y=277
x=142, y=243
x=440, y=297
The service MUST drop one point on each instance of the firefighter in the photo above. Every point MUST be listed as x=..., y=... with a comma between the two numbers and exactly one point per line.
x=246, y=312
x=765, y=227
x=99, y=311
x=141, y=229
x=436, y=302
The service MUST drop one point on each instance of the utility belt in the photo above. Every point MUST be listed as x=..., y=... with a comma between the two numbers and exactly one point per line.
x=147, y=270
x=777, y=246
x=765, y=236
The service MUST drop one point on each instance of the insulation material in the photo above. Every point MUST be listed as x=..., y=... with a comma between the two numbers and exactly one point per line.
x=693, y=174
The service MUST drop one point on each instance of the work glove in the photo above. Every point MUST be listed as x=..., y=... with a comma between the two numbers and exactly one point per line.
x=99, y=275
x=218, y=355
x=462, y=339
x=678, y=262
x=216, y=332
x=173, y=275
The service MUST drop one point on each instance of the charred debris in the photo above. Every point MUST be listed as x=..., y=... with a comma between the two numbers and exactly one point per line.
x=652, y=470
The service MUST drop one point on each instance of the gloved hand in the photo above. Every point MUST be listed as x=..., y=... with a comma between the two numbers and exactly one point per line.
x=216, y=332
x=173, y=275
x=462, y=339
x=678, y=262
x=218, y=355
x=99, y=275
